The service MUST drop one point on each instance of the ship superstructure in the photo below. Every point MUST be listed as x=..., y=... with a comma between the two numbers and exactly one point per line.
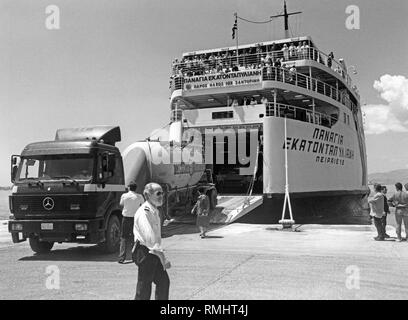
x=249, y=90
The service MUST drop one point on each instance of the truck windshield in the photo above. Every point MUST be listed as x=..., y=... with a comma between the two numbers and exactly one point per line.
x=56, y=168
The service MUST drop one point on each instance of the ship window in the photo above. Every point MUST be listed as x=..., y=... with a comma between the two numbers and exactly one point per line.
x=223, y=115
x=348, y=119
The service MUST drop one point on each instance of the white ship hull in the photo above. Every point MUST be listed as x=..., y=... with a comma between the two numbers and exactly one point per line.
x=316, y=163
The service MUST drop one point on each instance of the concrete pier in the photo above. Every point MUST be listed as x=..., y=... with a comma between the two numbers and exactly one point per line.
x=236, y=261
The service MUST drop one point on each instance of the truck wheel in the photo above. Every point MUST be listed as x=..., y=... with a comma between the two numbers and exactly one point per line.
x=40, y=246
x=213, y=199
x=15, y=237
x=112, y=236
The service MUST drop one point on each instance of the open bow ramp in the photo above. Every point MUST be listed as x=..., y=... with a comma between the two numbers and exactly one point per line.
x=231, y=208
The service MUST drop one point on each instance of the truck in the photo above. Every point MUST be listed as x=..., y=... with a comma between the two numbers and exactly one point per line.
x=69, y=189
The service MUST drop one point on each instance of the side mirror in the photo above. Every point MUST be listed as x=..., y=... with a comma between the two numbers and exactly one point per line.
x=107, y=167
x=111, y=163
x=14, y=168
x=13, y=173
x=104, y=165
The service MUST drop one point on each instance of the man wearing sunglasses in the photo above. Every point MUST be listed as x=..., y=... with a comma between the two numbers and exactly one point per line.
x=148, y=253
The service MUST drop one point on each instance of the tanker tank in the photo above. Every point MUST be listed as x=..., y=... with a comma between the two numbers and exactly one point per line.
x=160, y=162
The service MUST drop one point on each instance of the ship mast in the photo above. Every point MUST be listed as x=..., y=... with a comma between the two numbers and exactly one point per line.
x=286, y=16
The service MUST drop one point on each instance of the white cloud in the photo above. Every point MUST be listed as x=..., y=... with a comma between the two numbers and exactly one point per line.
x=392, y=116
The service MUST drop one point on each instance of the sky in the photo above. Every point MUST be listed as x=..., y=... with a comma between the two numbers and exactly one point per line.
x=109, y=63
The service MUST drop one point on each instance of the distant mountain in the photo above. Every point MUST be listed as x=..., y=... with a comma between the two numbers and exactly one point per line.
x=390, y=177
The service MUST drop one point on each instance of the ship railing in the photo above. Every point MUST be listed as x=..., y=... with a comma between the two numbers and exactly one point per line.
x=306, y=82
x=285, y=75
x=218, y=64
x=299, y=113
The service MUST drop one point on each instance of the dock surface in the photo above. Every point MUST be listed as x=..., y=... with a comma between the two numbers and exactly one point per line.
x=237, y=261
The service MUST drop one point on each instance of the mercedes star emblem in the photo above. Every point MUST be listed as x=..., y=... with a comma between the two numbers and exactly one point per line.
x=48, y=203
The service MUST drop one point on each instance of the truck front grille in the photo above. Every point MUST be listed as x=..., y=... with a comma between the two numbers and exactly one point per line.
x=35, y=204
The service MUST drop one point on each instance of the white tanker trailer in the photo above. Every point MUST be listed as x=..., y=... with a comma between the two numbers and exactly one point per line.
x=176, y=166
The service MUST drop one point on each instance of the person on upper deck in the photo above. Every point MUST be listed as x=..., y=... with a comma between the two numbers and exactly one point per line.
x=298, y=51
x=305, y=50
x=292, y=50
x=245, y=102
x=253, y=101
x=211, y=61
x=273, y=49
x=268, y=58
x=292, y=73
x=285, y=51
x=269, y=71
x=330, y=59
x=343, y=67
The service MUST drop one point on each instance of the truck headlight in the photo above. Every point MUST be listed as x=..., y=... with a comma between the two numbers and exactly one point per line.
x=81, y=227
x=16, y=227
x=75, y=206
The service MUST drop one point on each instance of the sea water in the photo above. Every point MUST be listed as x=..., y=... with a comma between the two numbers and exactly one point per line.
x=4, y=204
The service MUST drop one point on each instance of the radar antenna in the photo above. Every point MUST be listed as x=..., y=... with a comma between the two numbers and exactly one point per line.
x=286, y=16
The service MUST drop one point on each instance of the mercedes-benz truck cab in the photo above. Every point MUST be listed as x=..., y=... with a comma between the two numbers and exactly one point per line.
x=68, y=190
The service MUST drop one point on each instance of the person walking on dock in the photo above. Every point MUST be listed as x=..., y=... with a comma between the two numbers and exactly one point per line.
x=399, y=200
x=377, y=212
x=130, y=202
x=202, y=209
x=148, y=254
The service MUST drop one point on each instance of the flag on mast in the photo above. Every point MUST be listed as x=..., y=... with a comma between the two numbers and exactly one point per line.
x=234, y=28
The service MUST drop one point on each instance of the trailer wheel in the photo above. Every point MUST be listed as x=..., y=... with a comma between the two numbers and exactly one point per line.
x=112, y=236
x=40, y=246
x=213, y=199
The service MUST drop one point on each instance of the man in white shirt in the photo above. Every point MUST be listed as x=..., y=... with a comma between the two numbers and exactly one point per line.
x=148, y=254
x=377, y=211
x=130, y=201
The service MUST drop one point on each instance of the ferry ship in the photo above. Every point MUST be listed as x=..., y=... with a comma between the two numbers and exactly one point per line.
x=283, y=94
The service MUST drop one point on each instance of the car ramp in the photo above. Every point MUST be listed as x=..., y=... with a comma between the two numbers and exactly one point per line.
x=233, y=207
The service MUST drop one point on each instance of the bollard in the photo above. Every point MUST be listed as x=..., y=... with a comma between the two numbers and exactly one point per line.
x=287, y=223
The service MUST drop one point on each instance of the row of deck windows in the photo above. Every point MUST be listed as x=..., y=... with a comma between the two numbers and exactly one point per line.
x=286, y=111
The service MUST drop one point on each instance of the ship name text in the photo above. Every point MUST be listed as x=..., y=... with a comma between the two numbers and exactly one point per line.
x=327, y=145
x=223, y=80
